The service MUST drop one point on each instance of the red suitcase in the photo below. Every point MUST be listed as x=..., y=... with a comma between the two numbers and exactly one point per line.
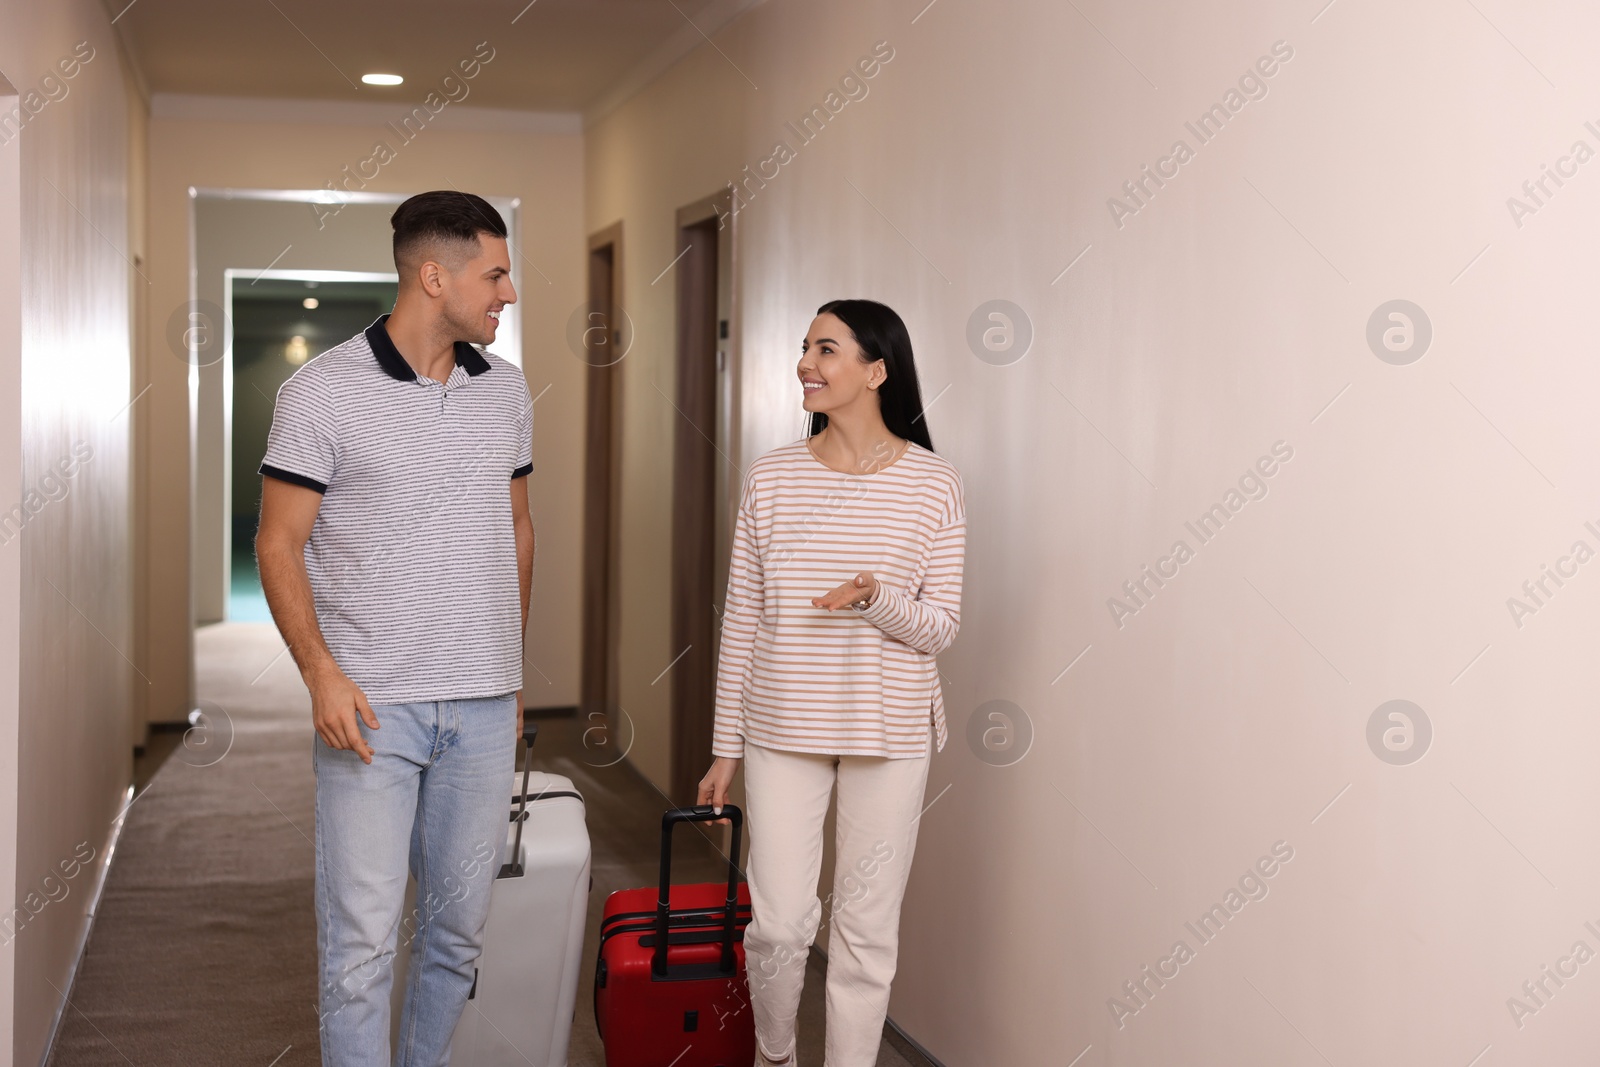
x=669, y=987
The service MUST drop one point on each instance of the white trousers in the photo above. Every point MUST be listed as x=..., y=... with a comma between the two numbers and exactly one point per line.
x=786, y=803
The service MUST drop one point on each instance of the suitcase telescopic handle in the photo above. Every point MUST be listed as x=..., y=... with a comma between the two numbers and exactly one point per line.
x=512, y=867
x=699, y=813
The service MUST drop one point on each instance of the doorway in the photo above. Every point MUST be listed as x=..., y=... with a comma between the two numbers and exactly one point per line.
x=705, y=483
x=277, y=321
x=602, y=339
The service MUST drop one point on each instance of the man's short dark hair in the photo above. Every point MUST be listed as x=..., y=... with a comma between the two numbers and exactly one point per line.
x=441, y=218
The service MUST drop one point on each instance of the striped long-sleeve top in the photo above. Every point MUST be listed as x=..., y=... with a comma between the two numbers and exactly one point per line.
x=847, y=682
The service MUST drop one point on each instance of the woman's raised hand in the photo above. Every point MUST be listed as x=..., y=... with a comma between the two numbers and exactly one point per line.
x=862, y=587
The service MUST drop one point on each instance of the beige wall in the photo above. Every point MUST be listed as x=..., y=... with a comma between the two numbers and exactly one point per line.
x=494, y=154
x=68, y=666
x=138, y=429
x=1222, y=317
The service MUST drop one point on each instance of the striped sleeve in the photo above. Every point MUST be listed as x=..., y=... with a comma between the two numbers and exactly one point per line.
x=303, y=443
x=929, y=621
x=740, y=617
x=524, y=437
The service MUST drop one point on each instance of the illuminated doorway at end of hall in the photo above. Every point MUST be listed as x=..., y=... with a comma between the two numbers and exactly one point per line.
x=279, y=322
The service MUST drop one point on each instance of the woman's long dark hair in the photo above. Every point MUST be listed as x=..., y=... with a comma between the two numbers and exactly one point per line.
x=882, y=335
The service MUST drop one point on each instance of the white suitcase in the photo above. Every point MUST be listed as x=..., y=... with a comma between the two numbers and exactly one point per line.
x=521, y=1007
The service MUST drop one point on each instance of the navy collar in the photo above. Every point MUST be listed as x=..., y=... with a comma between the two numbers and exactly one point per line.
x=395, y=365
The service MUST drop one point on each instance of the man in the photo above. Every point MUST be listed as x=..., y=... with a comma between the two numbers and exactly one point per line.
x=395, y=545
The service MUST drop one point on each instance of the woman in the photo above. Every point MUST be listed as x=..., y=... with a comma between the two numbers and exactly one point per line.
x=844, y=584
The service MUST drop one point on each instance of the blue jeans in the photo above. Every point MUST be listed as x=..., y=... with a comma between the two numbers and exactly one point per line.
x=436, y=799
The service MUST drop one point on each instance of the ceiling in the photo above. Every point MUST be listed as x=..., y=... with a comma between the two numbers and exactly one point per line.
x=550, y=55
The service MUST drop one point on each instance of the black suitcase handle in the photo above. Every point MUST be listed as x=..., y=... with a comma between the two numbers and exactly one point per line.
x=699, y=813
x=512, y=868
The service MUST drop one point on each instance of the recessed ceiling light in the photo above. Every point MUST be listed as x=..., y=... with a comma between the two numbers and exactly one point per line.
x=309, y=303
x=382, y=79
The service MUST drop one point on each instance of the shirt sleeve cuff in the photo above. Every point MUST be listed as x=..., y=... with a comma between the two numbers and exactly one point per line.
x=727, y=738
x=292, y=478
x=879, y=608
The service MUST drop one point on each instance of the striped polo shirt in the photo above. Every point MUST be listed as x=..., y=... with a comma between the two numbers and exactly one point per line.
x=413, y=557
x=847, y=682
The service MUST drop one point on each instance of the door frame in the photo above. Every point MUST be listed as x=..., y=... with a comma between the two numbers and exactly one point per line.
x=601, y=599
x=229, y=276
x=209, y=524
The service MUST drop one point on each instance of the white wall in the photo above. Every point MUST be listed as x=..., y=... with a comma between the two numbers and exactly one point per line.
x=218, y=144
x=68, y=666
x=1224, y=316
